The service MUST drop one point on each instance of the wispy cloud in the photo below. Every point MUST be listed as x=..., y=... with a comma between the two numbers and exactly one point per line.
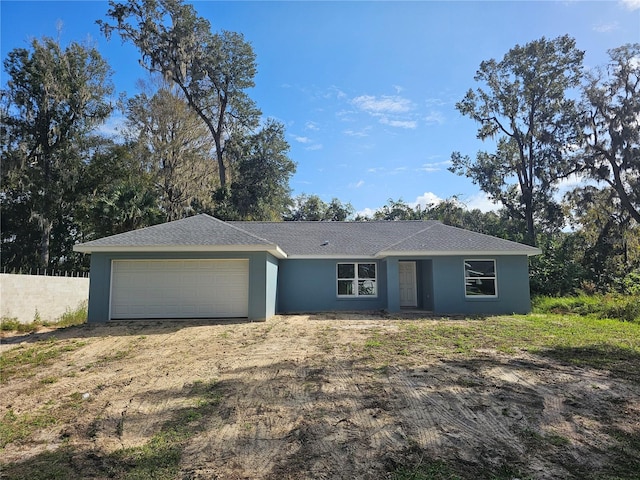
x=317, y=146
x=434, y=166
x=631, y=4
x=312, y=126
x=410, y=124
x=384, y=104
x=358, y=184
x=606, y=27
x=363, y=132
x=434, y=117
x=301, y=139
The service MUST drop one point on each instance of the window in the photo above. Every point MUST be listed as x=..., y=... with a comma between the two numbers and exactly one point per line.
x=480, y=278
x=357, y=280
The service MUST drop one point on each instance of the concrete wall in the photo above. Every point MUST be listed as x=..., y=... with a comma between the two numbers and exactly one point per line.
x=21, y=296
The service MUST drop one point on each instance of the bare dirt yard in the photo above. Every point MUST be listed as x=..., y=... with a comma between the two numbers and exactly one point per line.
x=308, y=397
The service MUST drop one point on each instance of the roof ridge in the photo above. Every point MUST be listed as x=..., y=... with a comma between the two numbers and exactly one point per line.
x=430, y=225
x=270, y=242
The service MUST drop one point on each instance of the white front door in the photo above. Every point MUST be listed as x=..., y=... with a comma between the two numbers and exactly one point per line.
x=408, y=288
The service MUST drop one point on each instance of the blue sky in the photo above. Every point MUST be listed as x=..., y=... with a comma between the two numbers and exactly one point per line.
x=366, y=90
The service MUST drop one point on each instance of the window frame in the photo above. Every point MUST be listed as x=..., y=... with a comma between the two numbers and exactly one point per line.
x=356, y=280
x=467, y=278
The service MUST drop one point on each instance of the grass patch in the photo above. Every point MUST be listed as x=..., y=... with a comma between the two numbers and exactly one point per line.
x=584, y=341
x=16, y=427
x=69, y=318
x=23, y=360
x=158, y=459
x=618, y=307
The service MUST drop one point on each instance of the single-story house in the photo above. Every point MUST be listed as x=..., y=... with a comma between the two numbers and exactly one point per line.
x=202, y=267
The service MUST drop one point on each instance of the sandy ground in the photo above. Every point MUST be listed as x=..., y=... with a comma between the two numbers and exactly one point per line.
x=297, y=398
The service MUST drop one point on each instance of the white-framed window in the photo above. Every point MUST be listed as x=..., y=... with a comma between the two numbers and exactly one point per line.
x=357, y=280
x=480, y=278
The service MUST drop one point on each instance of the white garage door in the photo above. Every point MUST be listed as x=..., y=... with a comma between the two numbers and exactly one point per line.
x=179, y=288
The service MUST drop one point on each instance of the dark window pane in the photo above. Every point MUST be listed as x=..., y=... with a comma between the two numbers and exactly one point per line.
x=366, y=270
x=479, y=268
x=346, y=270
x=477, y=286
x=345, y=287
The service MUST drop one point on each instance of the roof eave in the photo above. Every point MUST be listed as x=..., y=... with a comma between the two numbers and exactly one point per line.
x=274, y=250
x=462, y=253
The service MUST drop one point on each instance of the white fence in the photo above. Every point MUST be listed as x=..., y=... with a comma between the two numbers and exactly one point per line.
x=31, y=297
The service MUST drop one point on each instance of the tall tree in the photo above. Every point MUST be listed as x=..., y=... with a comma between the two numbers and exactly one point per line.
x=612, y=127
x=260, y=189
x=213, y=70
x=54, y=99
x=173, y=145
x=524, y=105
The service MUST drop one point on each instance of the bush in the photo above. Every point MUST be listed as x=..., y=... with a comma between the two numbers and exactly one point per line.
x=619, y=307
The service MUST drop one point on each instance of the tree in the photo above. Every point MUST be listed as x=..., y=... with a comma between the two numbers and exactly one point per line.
x=312, y=208
x=260, y=189
x=525, y=106
x=612, y=127
x=172, y=145
x=54, y=99
x=212, y=70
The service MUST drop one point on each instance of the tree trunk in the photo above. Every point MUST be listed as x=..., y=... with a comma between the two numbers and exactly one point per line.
x=45, y=240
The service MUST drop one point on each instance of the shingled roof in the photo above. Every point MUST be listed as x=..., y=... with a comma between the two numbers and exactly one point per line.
x=309, y=239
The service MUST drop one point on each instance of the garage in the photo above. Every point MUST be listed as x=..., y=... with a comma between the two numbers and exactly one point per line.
x=204, y=288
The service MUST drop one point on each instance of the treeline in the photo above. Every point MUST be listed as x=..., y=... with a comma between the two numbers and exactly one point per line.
x=193, y=141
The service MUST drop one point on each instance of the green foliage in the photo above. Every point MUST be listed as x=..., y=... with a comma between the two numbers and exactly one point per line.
x=611, y=100
x=260, y=189
x=312, y=208
x=618, y=307
x=524, y=105
x=54, y=99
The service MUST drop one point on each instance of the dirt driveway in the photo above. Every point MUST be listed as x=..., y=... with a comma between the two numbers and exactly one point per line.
x=306, y=397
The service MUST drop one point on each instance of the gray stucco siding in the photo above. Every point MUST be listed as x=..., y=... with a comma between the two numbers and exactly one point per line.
x=310, y=285
x=512, y=280
x=262, y=272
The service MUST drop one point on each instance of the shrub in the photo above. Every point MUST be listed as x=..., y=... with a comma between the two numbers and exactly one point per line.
x=619, y=307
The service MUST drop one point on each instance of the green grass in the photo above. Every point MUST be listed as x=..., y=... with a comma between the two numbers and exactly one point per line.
x=23, y=360
x=158, y=459
x=67, y=319
x=579, y=340
x=619, y=307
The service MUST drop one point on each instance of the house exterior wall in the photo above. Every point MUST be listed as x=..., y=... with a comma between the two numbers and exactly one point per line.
x=311, y=286
x=262, y=271
x=512, y=274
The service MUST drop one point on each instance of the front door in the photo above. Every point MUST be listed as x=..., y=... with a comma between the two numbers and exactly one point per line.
x=408, y=288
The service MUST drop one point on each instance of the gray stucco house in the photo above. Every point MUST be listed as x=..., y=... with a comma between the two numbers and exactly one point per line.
x=202, y=267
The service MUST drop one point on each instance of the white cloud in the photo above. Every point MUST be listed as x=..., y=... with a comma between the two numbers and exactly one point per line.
x=312, y=126
x=631, y=4
x=317, y=146
x=606, y=27
x=384, y=104
x=409, y=124
x=356, y=185
x=427, y=199
x=434, y=117
x=481, y=202
x=358, y=133
x=302, y=139
x=434, y=166
x=366, y=212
